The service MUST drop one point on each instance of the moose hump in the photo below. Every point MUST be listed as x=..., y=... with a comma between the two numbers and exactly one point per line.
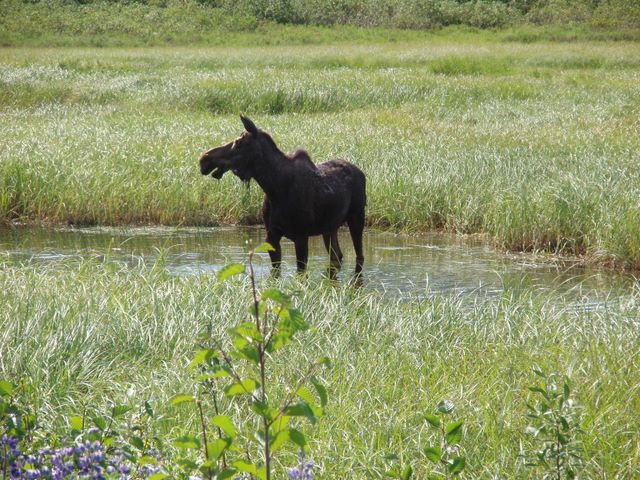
x=300, y=155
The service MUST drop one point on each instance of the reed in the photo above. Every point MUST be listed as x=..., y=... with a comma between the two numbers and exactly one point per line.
x=535, y=144
x=88, y=331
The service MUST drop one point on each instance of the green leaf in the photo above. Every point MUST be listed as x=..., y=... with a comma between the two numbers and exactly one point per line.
x=244, y=387
x=292, y=319
x=247, y=330
x=187, y=464
x=158, y=476
x=297, y=438
x=178, y=399
x=119, y=410
x=434, y=454
x=226, y=474
x=276, y=296
x=279, y=439
x=245, y=350
x=217, y=448
x=187, y=442
x=100, y=422
x=280, y=424
x=262, y=473
x=326, y=361
x=221, y=372
x=225, y=424
x=454, y=432
x=542, y=392
x=456, y=467
x=433, y=420
x=321, y=390
x=148, y=409
x=446, y=407
x=146, y=460
x=538, y=390
x=137, y=442
x=566, y=390
x=202, y=356
x=76, y=423
x=6, y=389
x=262, y=309
x=406, y=473
x=265, y=247
x=230, y=270
x=538, y=371
x=280, y=339
x=262, y=409
x=301, y=409
x=305, y=394
x=246, y=467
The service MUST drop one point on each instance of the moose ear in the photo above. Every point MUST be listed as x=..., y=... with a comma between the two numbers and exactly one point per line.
x=249, y=125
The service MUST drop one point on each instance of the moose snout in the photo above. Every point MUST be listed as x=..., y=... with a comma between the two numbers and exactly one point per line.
x=206, y=163
x=203, y=164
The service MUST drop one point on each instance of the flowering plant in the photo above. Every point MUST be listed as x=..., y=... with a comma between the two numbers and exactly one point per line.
x=99, y=452
x=236, y=374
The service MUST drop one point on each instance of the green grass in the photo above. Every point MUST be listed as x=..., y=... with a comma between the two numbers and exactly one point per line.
x=84, y=333
x=534, y=143
x=267, y=22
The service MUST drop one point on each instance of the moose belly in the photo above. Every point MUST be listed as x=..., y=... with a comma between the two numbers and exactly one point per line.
x=299, y=226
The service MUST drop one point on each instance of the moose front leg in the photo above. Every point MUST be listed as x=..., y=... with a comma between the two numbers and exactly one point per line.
x=302, y=253
x=275, y=254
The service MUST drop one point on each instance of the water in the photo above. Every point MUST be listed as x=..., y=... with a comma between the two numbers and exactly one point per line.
x=399, y=265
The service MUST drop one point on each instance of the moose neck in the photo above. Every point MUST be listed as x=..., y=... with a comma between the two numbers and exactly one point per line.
x=272, y=171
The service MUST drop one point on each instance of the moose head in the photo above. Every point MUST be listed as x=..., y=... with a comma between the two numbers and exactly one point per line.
x=239, y=156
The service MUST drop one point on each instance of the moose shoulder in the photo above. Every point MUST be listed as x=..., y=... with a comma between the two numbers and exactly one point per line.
x=301, y=199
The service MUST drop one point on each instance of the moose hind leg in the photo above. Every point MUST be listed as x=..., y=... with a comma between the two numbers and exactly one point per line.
x=356, y=227
x=335, y=254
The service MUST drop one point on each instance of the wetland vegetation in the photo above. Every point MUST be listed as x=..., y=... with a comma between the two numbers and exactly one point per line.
x=527, y=135
x=534, y=144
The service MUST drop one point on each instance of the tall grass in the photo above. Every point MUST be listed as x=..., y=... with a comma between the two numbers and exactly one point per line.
x=534, y=144
x=95, y=330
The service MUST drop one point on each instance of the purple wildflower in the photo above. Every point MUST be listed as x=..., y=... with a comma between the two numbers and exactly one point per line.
x=304, y=469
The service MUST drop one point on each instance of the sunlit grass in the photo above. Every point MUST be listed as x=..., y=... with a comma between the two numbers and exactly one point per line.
x=96, y=330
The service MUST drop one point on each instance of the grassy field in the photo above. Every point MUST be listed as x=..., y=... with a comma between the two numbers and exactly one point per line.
x=96, y=331
x=535, y=144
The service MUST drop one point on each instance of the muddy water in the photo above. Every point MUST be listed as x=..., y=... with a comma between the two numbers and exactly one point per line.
x=399, y=265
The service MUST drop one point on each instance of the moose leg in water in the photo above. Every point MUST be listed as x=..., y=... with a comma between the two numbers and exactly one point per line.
x=302, y=253
x=335, y=254
x=356, y=226
x=275, y=254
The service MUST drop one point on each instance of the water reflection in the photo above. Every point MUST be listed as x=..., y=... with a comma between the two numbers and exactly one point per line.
x=399, y=265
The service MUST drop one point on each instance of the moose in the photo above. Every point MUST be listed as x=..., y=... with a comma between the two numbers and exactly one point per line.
x=302, y=199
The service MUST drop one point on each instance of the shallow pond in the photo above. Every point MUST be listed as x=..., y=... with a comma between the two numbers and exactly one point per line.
x=398, y=265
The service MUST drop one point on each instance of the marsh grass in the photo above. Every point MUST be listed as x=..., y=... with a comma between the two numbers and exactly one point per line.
x=534, y=144
x=96, y=330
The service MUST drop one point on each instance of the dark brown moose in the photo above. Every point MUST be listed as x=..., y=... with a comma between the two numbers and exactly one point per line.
x=301, y=199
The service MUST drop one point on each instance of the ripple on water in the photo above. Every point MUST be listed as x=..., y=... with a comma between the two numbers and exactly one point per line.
x=397, y=265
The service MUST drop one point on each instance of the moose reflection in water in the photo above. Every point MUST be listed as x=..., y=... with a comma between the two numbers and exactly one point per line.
x=301, y=199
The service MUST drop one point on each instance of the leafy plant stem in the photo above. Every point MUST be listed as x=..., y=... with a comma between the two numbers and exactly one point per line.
x=262, y=358
x=204, y=435
x=216, y=409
